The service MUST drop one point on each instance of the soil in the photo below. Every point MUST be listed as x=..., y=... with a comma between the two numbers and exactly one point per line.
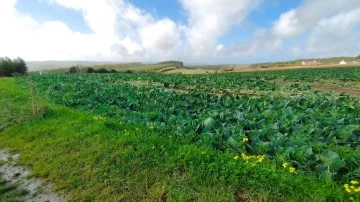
x=352, y=92
x=12, y=173
x=333, y=89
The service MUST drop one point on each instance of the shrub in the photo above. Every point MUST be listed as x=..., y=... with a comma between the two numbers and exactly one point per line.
x=102, y=70
x=74, y=69
x=90, y=70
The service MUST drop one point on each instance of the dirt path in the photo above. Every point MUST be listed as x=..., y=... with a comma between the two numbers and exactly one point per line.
x=333, y=89
x=352, y=92
x=12, y=173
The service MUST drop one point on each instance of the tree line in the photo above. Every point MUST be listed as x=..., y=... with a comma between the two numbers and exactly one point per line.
x=9, y=67
x=76, y=69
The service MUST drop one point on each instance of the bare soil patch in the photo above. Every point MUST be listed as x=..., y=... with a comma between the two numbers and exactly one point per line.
x=323, y=87
x=12, y=173
x=352, y=92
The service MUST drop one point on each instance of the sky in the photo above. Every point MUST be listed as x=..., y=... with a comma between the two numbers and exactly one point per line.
x=193, y=31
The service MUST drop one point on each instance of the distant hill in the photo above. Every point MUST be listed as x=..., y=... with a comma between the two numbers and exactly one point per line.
x=53, y=64
x=84, y=66
x=331, y=60
x=323, y=61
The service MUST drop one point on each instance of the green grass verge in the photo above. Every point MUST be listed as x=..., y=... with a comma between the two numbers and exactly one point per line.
x=95, y=159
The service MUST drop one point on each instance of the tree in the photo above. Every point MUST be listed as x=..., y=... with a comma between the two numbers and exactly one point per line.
x=20, y=66
x=6, y=67
x=358, y=57
x=10, y=67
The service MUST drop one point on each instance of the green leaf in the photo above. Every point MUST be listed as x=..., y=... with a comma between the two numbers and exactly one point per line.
x=332, y=160
x=208, y=122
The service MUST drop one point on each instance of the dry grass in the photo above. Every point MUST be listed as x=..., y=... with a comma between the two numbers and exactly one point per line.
x=191, y=71
x=167, y=69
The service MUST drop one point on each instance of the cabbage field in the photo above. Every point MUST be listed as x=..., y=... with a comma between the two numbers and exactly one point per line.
x=277, y=115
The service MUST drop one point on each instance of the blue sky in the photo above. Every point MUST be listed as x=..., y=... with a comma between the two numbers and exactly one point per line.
x=42, y=11
x=203, y=31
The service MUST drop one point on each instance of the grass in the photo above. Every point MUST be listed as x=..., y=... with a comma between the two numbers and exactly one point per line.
x=99, y=159
x=10, y=192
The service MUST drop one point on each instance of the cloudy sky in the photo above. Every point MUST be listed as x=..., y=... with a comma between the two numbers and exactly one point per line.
x=204, y=31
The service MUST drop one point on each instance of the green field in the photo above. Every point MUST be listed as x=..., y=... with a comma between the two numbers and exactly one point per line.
x=255, y=136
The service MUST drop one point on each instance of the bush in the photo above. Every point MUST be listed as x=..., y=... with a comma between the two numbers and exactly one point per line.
x=102, y=70
x=90, y=70
x=10, y=67
x=74, y=69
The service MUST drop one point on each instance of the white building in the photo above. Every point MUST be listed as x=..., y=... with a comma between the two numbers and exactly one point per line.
x=342, y=62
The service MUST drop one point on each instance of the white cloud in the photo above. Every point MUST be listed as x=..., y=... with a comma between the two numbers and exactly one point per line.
x=161, y=37
x=99, y=16
x=287, y=25
x=336, y=35
x=260, y=42
x=210, y=19
x=296, y=21
x=123, y=32
x=120, y=31
x=316, y=28
x=219, y=47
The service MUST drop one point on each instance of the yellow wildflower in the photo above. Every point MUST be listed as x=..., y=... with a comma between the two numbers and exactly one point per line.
x=346, y=185
x=261, y=158
x=348, y=190
x=236, y=157
x=354, y=182
x=245, y=139
x=285, y=165
x=357, y=189
x=292, y=170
